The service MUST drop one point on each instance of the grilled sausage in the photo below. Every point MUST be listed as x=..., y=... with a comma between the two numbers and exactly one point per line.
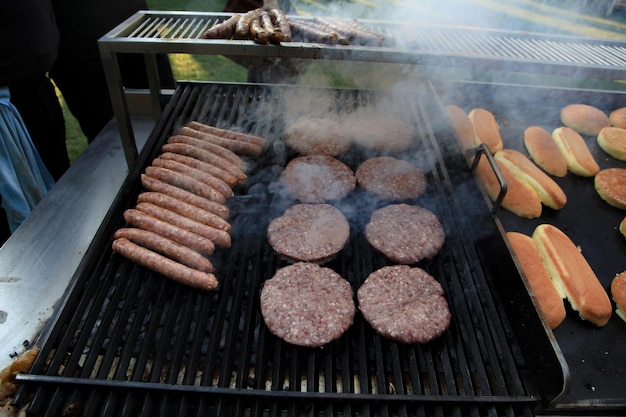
x=225, y=133
x=282, y=23
x=205, y=156
x=158, y=186
x=202, y=166
x=218, y=237
x=165, y=266
x=166, y=247
x=258, y=32
x=268, y=25
x=186, y=183
x=184, y=237
x=192, y=137
x=353, y=31
x=310, y=33
x=184, y=209
x=208, y=179
x=242, y=31
x=222, y=30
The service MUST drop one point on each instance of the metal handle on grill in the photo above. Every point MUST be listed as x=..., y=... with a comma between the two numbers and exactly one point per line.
x=482, y=149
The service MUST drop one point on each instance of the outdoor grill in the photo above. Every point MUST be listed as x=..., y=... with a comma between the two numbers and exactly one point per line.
x=126, y=341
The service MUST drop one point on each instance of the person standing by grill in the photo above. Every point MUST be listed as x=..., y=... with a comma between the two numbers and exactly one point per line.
x=78, y=70
x=25, y=57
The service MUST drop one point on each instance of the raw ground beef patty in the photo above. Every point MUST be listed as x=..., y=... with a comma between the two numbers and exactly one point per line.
x=307, y=305
x=391, y=178
x=317, y=178
x=404, y=304
x=309, y=232
x=405, y=234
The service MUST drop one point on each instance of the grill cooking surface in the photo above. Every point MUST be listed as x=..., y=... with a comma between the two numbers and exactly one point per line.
x=409, y=43
x=130, y=342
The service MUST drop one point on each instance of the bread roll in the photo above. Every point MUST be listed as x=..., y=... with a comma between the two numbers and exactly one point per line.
x=524, y=170
x=622, y=227
x=576, y=152
x=462, y=126
x=618, y=117
x=520, y=199
x=572, y=275
x=486, y=129
x=548, y=298
x=618, y=292
x=612, y=140
x=585, y=119
x=610, y=184
x=544, y=151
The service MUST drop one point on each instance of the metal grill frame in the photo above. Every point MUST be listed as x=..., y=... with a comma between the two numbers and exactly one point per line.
x=86, y=378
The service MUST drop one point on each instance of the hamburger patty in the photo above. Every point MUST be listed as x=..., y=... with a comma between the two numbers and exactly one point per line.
x=317, y=178
x=309, y=232
x=405, y=234
x=391, y=178
x=382, y=134
x=315, y=135
x=404, y=304
x=307, y=305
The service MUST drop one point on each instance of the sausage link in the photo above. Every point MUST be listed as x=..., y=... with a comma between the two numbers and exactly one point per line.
x=202, y=166
x=166, y=247
x=257, y=32
x=179, y=235
x=184, y=209
x=165, y=266
x=205, y=156
x=234, y=145
x=222, y=30
x=242, y=30
x=311, y=33
x=185, y=182
x=218, y=237
x=191, y=137
x=155, y=185
x=208, y=179
x=225, y=133
x=283, y=23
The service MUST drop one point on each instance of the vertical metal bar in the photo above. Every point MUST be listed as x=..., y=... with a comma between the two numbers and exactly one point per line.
x=118, y=101
x=154, y=82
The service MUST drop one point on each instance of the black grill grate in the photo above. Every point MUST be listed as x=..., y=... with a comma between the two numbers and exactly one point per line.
x=128, y=342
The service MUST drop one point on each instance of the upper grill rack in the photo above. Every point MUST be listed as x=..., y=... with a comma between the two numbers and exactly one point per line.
x=414, y=44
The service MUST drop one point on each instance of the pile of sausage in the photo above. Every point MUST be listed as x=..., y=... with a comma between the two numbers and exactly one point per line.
x=181, y=216
x=273, y=26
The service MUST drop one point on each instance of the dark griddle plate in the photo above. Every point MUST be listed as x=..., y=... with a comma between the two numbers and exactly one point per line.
x=595, y=356
x=127, y=341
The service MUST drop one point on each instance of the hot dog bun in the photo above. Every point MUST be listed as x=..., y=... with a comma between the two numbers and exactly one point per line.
x=576, y=152
x=612, y=140
x=610, y=184
x=572, y=275
x=462, y=126
x=618, y=117
x=585, y=119
x=618, y=292
x=548, y=298
x=486, y=129
x=520, y=198
x=524, y=170
x=544, y=151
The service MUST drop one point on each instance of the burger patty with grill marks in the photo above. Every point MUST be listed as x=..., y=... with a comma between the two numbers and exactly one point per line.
x=404, y=304
x=307, y=305
x=405, y=234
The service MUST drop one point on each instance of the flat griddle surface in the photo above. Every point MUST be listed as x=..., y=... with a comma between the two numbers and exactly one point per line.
x=595, y=356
